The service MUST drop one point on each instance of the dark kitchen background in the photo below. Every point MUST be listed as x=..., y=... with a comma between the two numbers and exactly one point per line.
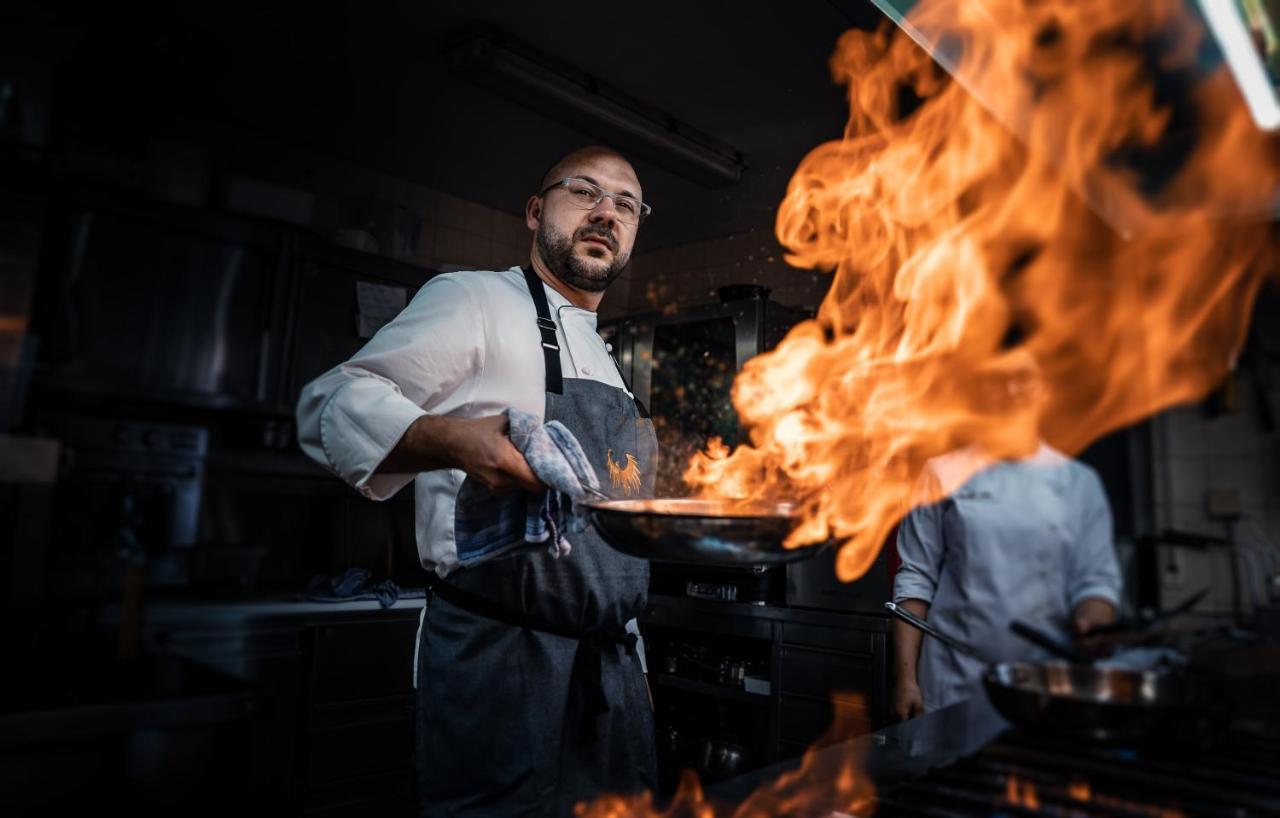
x=204, y=206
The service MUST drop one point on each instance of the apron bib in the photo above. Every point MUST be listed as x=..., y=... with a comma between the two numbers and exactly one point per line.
x=530, y=696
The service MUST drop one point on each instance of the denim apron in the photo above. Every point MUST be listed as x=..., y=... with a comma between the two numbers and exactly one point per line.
x=530, y=694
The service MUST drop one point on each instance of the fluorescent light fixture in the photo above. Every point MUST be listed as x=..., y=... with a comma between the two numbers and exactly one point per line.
x=1245, y=61
x=1227, y=23
x=582, y=101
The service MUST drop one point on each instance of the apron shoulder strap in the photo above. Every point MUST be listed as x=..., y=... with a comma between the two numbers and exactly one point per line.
x=640, y=407
x=547, y=328
x=551, y=346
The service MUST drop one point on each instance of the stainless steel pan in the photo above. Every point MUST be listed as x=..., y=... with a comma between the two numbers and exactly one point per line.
x=1083, y=699
x=1096, y=702
x=710, y=532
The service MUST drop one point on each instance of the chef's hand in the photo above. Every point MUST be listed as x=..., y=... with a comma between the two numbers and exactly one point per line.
x=482, y=449
x=907, y=701
x=1089, y=614
x=478, y=446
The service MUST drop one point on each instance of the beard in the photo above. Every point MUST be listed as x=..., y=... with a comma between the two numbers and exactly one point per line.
x=556, y=250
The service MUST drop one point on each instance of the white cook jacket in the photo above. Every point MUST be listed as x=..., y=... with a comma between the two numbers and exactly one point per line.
x=466, y=346
x=1026, y=539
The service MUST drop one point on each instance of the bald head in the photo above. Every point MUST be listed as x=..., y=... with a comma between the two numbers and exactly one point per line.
x=569, y=164
x=583, y=245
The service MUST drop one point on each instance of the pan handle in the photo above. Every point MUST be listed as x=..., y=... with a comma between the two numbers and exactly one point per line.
x=1044, y=640
x=1142, y=626
x=916, y=622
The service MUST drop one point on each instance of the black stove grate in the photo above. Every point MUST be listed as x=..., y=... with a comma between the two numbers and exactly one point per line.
x=1022, y=774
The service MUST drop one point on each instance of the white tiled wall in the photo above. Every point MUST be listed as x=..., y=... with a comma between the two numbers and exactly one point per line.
x=689, y=274
x=1195, y=455
x=452, y=233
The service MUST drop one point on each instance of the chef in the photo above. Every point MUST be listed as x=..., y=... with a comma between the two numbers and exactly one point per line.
x=1025, y=539
x=530, y=694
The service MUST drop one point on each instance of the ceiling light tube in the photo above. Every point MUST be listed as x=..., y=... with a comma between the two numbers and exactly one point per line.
x=1228, y=26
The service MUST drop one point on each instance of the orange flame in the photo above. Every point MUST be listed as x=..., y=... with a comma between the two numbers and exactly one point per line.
x=1080, y=790
x=829, y=780
x=1021, y=793
x=1019, y=195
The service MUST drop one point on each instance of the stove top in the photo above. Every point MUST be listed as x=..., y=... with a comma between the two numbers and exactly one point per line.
x=1024, y=774
x=967, y=760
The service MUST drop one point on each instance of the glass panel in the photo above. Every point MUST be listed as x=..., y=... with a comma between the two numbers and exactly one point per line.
x=160, y=311
x=693, y=369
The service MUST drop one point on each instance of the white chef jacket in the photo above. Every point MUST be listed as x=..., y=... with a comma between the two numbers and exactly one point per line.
x=467, y=345
x=1027, y=539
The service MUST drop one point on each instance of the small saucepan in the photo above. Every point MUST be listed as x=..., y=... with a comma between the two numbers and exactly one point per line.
x=1082, y=699
x=709, y=532
x=721, y=759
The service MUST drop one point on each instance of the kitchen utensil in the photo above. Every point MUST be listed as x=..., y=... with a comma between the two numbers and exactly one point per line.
x=1083, y=699
x=720, y=758
x=1038, y=637
x=732, y=671
x=1146, y=624
x=920, y=624
x=696, y=657
x=718, y=532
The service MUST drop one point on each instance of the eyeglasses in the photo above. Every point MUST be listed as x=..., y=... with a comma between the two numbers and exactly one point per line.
x=588, y=196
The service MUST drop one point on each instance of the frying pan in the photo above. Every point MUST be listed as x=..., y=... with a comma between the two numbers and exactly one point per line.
x=1082, y=699
x=708, y=532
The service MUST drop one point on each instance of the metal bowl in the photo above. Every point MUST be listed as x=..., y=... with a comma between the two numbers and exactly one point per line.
x=708, y=532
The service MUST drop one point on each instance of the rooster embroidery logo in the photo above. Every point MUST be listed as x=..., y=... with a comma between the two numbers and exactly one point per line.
x=626, y=478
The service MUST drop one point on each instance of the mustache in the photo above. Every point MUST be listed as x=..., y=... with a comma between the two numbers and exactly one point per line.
x=600, y=232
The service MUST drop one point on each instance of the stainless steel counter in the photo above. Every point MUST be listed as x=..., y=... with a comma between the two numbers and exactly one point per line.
x=265, y=609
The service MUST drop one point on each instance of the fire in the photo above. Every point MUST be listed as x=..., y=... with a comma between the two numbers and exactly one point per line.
x=1080, y=790
x=1052, y=244
x=1021, y=793
x=829, y=781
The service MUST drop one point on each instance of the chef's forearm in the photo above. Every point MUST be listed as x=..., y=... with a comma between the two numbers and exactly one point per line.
x=906, y=641
x=428, y=444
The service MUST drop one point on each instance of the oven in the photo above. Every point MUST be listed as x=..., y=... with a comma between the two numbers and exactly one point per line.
x=681, y=365
x=129, y=496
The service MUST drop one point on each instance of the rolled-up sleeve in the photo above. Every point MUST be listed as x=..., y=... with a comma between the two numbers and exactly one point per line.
x=1093, y=569
x=352, y=416
x=920, y=547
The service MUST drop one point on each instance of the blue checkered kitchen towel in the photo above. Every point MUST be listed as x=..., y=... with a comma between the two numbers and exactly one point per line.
x=488, y=525
x=558, y=460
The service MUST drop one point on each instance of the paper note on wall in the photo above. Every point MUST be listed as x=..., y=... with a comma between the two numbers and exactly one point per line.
x=376, y=304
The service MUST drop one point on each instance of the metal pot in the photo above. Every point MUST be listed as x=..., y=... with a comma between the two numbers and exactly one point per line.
x=722, y=758
x=732, y=672
x=709, y=532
